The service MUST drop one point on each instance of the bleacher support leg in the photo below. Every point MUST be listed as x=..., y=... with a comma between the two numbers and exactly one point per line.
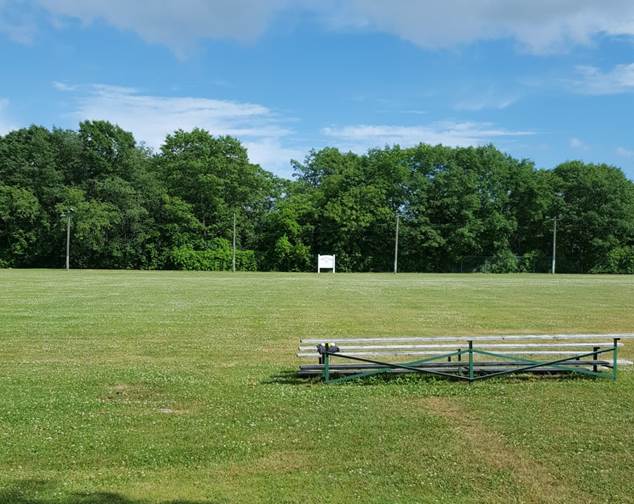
x=615, y=357
x=470, y=361
x=326, y=372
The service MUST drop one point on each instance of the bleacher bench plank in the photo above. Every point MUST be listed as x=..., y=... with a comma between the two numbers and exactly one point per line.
x=584, y=350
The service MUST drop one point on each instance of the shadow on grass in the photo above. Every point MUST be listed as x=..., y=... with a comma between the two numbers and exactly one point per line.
x=27, y=491
x=286, y=378
x=289, y=377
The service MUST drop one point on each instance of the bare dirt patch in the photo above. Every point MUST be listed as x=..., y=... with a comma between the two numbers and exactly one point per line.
x=173, y=411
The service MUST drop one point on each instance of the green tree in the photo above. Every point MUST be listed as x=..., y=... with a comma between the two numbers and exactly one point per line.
x=20, y=219
x=597, y=215
x=215, y=177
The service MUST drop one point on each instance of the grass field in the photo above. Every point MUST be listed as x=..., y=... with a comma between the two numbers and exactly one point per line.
x=174, y=387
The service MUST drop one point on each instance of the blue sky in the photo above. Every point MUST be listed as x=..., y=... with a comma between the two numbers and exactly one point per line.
x=548, y=80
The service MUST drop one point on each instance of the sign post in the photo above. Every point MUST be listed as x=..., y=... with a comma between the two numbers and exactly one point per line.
x=325, y=262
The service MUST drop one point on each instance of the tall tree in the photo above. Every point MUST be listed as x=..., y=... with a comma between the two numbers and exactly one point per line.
x=214, y=176
x=596, y=211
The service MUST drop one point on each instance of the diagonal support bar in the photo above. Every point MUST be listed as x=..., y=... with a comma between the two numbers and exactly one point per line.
x=571, y=369
x=389, y=367
x=389, y=370
x=399, y=366
x=537, y=364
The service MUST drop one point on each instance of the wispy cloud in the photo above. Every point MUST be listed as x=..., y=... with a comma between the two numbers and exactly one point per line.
x=414, y=111
x=488, y=100
x=626, y=153
x=151, y=118
x=576, y=143
x=265, y=133
x=17, y=22
x=61, y=86
x=591, y=80
x=362, y=137
x=6, y=124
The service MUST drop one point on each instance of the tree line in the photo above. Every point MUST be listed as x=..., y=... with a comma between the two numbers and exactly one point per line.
x=460, y=209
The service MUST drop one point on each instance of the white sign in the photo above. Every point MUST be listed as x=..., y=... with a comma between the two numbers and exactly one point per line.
x=325, y=262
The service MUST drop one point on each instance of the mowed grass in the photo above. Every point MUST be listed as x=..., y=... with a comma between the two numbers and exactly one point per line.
x=176, y=387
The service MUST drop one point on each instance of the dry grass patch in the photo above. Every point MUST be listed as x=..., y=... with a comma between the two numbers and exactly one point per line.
x=491, y=448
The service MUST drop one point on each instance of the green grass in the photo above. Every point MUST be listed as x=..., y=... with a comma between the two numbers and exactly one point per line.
x=175, y=387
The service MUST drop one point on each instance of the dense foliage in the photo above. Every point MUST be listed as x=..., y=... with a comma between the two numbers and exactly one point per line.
x=460, y=209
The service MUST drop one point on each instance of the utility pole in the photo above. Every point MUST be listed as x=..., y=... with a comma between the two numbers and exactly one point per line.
x=67, y=215
x=554, y=244
x=559, y=203
x=68, y=242
x=396, y=246
x=233, y=258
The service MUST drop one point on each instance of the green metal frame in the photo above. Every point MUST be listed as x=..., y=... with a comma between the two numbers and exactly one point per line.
x=471, y=364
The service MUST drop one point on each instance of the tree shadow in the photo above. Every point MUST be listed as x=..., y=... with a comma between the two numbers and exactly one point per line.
x=28, y=491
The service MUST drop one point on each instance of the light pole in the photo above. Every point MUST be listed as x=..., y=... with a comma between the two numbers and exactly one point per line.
x=396, y=246
x=233, y=257
x=554, y=263
x=67, y=215
x=559, y=203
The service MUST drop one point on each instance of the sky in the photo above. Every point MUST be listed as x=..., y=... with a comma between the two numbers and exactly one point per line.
x=546, y=80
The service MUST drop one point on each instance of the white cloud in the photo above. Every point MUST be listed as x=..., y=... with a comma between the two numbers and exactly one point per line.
x=151, y=118
x=6, y=124
x=263, y=132
x=539, y=25
x=578, y=144
x=595, y=82
x=456, y=134
x=272, y=154
x=175, y=23
x=626, y=153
